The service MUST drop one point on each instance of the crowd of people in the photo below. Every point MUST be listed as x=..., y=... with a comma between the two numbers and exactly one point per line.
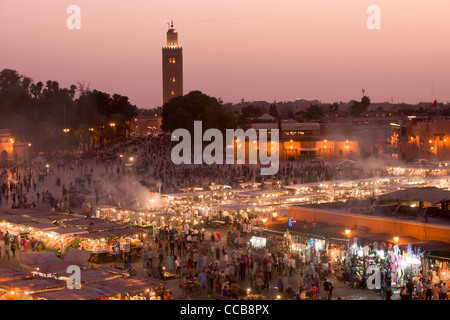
x=154, y=153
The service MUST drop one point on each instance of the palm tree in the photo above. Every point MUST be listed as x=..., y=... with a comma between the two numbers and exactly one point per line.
x=36, y=91
x=365, y=100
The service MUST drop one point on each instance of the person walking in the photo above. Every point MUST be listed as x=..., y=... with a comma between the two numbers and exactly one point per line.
x=419, y=289
x=161, y=254
x=7, y=239
x=150, y=255
x=144, y=259
x=388, y=292
x=436, y=292
x=224, y=255
x=13, y=249
x=266, y=279
x=301, y=282
x=170, y=261
x=7, y=247
x=178, y=265
x=429, y=287
x=217, y=253
x=444, y=291
x=328, y=288
x=25, y=243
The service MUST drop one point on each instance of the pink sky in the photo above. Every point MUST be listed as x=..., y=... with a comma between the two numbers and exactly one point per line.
x=252, y=49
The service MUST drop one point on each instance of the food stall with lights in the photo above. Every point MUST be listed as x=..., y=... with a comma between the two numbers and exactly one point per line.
x=100, y=243
x=106, y=212
x=97, y=284
x=62, y=239
x=13, y=229
x=258, y=242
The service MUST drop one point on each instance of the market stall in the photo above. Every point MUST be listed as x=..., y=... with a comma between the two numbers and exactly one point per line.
x=106, y=212
x=402, y=262
x=437, y=266
x=101, y=244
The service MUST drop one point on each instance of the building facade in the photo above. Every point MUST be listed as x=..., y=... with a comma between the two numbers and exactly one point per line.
x=425, y=139
x=303, y=140
x=144, y=125
x=11, y=151
x=172, y=64
x=6, y=147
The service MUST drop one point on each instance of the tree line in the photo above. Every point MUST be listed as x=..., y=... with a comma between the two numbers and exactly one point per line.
x=53, y=118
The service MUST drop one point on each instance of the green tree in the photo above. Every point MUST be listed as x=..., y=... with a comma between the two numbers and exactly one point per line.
x=290, y=115
x=365, y=101
x=356, y=108
x=334, y=107
x=314, y=112
x=182, y=111
x=273, y=111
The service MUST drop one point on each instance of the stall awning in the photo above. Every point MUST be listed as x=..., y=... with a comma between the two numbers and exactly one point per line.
x=439, y=255
x=33, y=284
x=128, y=285
x=12, y=274
x=86, y=292
x=113, y=233
x=426, y=194
x=318, y=232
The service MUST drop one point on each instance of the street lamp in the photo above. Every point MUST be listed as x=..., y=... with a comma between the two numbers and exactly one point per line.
x=66, y=130
x=396, y=238
x=347, y=231
x=274, y=215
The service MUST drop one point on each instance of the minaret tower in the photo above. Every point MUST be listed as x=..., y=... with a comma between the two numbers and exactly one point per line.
x=172, y=63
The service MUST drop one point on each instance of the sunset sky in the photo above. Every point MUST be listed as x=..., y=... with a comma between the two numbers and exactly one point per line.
x=257, y=50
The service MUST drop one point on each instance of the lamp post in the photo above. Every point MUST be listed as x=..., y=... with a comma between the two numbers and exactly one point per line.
x=396, y=238
x=274, y=216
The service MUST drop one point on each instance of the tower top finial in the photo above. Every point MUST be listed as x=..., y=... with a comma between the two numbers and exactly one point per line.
x=171, y=25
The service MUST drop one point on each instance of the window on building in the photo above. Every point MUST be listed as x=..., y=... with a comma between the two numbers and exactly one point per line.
x=172, y=92
x=172, y=79
x=340, y=152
